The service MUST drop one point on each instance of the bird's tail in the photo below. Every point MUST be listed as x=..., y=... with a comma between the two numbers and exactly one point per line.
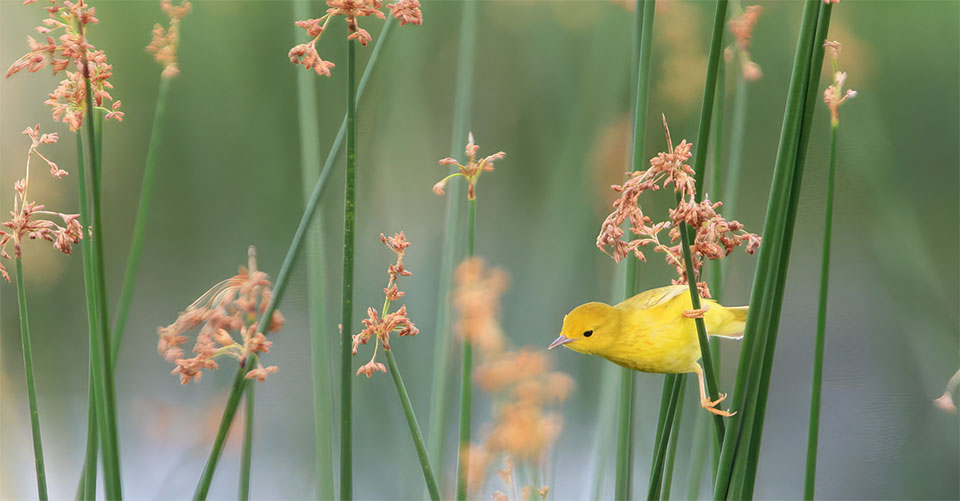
x=730, y=322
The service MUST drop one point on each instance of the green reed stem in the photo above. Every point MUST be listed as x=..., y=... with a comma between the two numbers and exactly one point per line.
x=466, y=371
x=31, y=383
x=349, y=220
x=674, y=438
x=140, y=222
x=816, y=386
x=668, y=408
x=770, y=274
x=452, y=244
x=87, y=487
x=88, y=482
x=624, y=469
x=811, y=97
x=414, y=427
x=108, y=421
x=233, y=401
x=738, y=126
x=246, y=452
x=623, y=484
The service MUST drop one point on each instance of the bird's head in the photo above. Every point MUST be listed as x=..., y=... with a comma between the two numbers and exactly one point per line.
x=589, y=328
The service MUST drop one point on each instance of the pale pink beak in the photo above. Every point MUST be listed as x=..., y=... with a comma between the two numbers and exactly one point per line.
x=559, y=341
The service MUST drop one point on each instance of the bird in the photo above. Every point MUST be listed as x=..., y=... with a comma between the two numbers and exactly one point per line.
x=653, y=331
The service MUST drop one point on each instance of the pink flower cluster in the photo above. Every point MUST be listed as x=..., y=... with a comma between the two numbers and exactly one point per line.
x=232, y=305
x=715, y=237
x=380, y=326
x=305, y=54
x=68, y=100
x=24, y=218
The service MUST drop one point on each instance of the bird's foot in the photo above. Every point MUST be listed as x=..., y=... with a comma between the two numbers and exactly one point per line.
x=711, y=406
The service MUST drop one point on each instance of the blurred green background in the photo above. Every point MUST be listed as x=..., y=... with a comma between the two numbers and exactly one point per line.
x=552, y=89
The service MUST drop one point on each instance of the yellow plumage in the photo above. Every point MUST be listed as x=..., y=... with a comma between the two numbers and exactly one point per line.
x=649, y=332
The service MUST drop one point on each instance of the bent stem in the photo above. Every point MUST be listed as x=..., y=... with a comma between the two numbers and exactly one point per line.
x=466, y=383
x=623, y=483
x=246, y=453
x=233, y=401
x=414, y=427
x=346, y=314
x=814, y=432
x=31, y=384
x=452, y=243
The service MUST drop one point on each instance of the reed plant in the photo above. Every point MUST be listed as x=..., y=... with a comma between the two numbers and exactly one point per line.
x=834, y=96
x=752, y=382
x=471, y=172
x=453, y=242
x=623, y=484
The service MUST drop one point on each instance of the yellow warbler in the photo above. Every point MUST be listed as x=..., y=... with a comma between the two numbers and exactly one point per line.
x=651, y=332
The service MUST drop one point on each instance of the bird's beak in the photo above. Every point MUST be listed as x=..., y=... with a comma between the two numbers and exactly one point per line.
x=560, y=340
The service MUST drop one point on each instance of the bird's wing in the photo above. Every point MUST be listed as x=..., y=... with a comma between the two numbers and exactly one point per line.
x=653, y=297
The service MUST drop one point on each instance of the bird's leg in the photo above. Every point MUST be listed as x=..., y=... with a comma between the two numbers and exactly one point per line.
x=705, y=402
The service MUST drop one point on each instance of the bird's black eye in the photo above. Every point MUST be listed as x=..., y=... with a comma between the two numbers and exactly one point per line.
x=587, y=333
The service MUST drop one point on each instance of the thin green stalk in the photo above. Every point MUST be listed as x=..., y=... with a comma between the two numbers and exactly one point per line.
x=246, y=453
x=810, y=99
x=623, y=485
x=31, y=384
x=816, y=386
x=674, y=438
x=140, y=221
x=349, y=219
x=717, y=269
x=738, y=126
x=414, y=427
x=624, y=469
x=452, y=244
x=87, y=487
x=668, y=409
x=767, y=278
x=466, y=382
x=107, y=422
x=233, y=401
x=88, y=482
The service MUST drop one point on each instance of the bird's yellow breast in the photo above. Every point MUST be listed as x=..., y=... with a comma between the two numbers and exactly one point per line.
x=658, y=339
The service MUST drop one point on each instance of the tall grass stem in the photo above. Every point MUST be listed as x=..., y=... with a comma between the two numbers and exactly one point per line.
x=672, y=450
x=810, y=475
x=246, y=451
x=466, y=376
x=140, y=221
x=452, y=241
x=415, y=434
x=770, y=272
x=108, y=421
x=31, y=383
x=623, y=482
x=346, y=318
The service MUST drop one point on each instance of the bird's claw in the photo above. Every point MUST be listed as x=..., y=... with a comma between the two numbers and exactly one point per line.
x=711, y=406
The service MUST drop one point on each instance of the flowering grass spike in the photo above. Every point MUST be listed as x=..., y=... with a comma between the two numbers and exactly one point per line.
x=471, y=171
x=25, y=220
x=380, y=326
x=231, y=306
x=165, y=41
x=305, y=54
x=68, y=100
x=715, y=236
